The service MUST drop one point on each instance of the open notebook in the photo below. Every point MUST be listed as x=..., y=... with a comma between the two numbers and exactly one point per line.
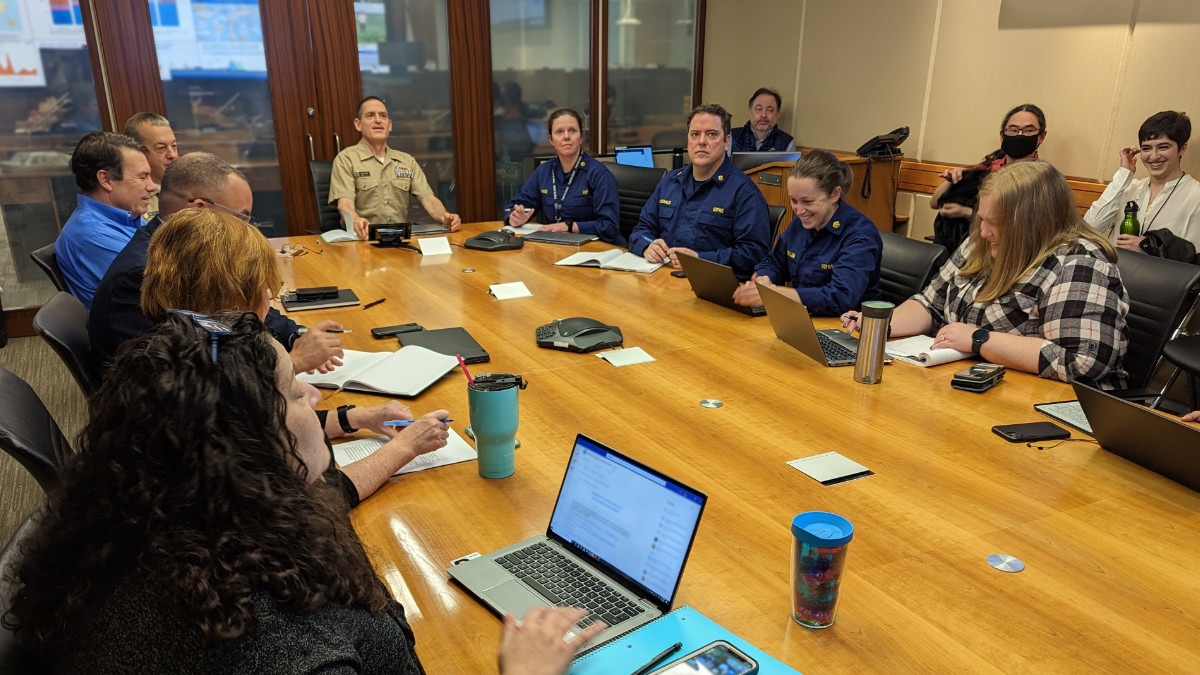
x=918, y=350
x=404, y=372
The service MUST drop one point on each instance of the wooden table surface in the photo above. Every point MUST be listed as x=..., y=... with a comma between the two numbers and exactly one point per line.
x=1112, y=578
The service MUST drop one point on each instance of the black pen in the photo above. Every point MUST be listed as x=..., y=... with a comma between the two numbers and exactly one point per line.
x=372, y=303
x=654, y=661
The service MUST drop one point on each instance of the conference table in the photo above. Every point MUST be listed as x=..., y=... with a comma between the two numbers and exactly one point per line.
x=1112, y=550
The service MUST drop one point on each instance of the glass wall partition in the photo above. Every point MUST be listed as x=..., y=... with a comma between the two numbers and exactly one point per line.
x=403, y=53
x=540, y=62
x=47, y=102
x=651, y=56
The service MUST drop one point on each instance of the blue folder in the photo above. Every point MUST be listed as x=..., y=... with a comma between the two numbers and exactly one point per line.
x=631, y=651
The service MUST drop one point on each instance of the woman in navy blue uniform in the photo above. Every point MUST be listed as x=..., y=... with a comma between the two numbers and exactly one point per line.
x=830, y=253
x=575, y=194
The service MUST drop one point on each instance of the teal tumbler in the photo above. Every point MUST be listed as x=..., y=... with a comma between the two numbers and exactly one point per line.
x=494, y=416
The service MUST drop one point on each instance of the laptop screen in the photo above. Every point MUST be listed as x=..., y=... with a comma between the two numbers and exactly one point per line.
x=636, y=155
x=628, y=518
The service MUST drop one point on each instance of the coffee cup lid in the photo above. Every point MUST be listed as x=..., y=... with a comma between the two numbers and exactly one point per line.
x=821, y=528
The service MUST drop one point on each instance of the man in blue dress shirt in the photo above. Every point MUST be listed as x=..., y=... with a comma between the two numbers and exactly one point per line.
x=709, y=208
x=114, y=177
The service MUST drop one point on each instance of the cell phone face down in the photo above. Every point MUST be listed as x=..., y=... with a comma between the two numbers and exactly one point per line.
x=714, y=657
x=1031, y=431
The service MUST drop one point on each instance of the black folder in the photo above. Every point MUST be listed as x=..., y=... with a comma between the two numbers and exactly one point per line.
x=448, y=341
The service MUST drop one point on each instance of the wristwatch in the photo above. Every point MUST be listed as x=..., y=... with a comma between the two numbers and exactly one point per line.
x=344, y=420
x=570, y=224
x=978, y=338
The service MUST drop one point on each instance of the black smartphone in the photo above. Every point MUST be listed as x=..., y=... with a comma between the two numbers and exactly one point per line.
x=388, y=331
x=1030, y=431
x=978, y=378
x=678, y=274
x=714, y=657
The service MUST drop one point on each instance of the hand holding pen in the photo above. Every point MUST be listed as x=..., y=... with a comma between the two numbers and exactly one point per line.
x=852, y=321
x=656, y=250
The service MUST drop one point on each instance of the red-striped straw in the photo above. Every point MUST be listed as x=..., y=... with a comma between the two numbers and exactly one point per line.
x=463, y=364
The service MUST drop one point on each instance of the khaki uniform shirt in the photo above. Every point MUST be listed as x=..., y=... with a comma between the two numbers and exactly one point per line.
x=380, y=190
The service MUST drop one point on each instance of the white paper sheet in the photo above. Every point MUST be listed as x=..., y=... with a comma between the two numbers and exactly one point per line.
x=626, y=357
x=456, y=450
x=434, y=245
x=513, y=289
x=829, y=466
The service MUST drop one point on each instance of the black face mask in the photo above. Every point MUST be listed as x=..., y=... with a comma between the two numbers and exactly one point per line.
x=1019, y=147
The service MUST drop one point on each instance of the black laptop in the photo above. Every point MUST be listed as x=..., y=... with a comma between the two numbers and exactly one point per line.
x=715, y=283
x=1165, y=446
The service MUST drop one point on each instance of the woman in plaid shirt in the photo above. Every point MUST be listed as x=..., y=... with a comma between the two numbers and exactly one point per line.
x=1033, y=287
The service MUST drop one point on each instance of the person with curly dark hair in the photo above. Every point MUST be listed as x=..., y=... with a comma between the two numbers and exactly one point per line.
x=192, y=532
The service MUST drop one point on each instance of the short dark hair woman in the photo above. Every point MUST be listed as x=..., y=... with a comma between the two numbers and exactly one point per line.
x=191, y=534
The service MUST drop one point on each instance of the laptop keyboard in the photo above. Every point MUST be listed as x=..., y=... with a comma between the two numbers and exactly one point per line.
x=565, y=583
x=835, y=352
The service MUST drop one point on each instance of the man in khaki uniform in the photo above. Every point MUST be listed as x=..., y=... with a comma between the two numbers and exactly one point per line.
x=371, y=182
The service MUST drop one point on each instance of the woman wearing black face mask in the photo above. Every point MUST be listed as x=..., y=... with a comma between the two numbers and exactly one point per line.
x=1021, y=133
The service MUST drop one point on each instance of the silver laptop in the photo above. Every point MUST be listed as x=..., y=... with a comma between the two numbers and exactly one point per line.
x=616, y=545
x=793, y=325
x=422, y=229
x=1142, y=436
x=567, y=238
x=715, y=283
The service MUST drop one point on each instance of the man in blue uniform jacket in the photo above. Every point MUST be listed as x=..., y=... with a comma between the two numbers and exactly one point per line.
x=709, y=208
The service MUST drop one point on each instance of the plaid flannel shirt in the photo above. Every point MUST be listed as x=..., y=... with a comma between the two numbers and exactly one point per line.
x=1074, y=300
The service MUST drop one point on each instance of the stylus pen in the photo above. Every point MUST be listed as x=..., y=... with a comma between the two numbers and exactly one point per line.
x=404, y=423
x=304, y=329
x=655, y=661
x=372, y=303
x=648, y=240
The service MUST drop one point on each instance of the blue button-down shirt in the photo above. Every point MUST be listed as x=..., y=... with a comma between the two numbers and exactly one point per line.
x=724, y=219
x=93, y=235
x=592, y=200
x=833, y=269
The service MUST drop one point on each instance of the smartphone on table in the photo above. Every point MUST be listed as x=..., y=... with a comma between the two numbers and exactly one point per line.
x=718, y=658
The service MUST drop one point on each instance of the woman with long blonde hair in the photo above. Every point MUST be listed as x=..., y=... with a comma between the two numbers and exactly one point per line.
x=1035, y=288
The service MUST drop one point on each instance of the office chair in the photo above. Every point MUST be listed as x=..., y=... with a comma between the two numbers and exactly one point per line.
x=62, y=322
x=28, y=433
x=669, y=138
x=14, y=655
x=48, y=261
x=635, y=184
x=1184, y=353
x=327, y=214
x=1162, y=297
x=906, y=266
x=776, y=215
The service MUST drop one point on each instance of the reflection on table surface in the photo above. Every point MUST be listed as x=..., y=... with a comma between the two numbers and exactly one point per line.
x=1109, y=546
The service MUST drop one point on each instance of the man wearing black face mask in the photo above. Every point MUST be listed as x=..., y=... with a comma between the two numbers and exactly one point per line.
x=1021, y=133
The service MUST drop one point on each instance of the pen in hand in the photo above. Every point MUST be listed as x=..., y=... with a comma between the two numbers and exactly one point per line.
x=304, y=329
x=650, y=242
x=405, y=423
x=655, y=661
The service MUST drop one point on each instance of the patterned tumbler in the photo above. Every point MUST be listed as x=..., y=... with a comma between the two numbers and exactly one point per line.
x=819, y=544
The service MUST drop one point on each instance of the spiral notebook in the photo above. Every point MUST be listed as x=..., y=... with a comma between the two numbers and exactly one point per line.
x=685, y=625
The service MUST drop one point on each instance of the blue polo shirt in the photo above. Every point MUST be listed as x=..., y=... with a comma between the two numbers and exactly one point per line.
x=724, y=219
x=93, y=235
x=591, y=201
x=833, y=269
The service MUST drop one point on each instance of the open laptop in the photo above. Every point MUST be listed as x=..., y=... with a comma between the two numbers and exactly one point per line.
x=715, y=282
x=793, y=325
x=627, y=526
x=635, y=155
x=1161, y=444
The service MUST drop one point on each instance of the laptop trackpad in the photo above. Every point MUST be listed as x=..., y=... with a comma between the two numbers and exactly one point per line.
x=514, y=597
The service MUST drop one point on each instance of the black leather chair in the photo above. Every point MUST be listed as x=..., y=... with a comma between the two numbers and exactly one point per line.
x=62, y=322
x=14, y=658
x=327, y=214
x=670, y=138
x=48, y=261
x=1162, y=297
x=1184, y=353
x=906, y=266
x=28, y=433
x=635, y=184
x=777, y=214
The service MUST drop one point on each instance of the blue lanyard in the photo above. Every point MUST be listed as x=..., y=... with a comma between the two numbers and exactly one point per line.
x=554, y=186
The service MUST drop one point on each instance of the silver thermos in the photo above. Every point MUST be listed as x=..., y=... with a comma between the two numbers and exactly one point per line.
x=872, y=341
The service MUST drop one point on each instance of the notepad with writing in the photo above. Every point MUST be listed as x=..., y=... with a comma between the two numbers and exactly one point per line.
x=628, y=652
x=456, y=450
x=918, y=350
x=404, y=372
x=345, y=298
x=612, y=259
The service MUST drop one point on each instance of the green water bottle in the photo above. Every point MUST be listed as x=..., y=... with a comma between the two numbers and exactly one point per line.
x=1131, y=225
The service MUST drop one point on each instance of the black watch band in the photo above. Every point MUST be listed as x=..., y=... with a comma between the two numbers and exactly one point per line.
x=979, y=337
x=344, y=420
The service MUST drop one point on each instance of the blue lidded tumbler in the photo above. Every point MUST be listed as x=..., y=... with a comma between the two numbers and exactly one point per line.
x=492, y=399
x=819, y=544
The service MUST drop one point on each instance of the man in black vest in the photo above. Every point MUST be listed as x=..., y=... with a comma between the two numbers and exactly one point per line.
x=762, y=133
